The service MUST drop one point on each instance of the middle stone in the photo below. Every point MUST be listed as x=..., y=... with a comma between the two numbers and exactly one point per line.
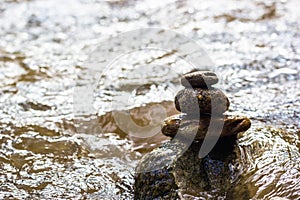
x=192, y=101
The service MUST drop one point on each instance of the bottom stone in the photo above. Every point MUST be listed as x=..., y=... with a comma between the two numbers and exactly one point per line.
x=163, y=174
x=229, y=171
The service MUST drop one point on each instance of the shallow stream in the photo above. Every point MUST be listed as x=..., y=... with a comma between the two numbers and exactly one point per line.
x=48, y=152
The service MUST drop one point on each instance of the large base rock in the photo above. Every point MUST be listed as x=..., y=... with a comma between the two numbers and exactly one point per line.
x=165, y=173
x=232, y=170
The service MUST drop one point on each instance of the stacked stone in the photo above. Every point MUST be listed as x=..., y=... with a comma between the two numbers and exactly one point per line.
x=202, y=105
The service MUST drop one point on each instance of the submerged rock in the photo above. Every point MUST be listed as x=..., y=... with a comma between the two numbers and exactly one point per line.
x=164, y=173
x=170, y=172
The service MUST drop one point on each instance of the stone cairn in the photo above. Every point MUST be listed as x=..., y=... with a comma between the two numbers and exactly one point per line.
x=202, y=106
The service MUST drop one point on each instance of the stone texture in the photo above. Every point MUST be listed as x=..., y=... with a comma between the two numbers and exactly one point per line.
x=199, y=79
x=198, y=128
x=199, y=100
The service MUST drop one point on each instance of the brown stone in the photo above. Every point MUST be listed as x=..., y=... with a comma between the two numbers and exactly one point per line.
x=199, y=100
x=232, y=125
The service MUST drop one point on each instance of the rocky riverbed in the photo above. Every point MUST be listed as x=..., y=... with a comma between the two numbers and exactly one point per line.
x=43, y=51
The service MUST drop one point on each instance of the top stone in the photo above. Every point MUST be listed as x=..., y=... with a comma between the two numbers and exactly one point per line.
x=199, y=79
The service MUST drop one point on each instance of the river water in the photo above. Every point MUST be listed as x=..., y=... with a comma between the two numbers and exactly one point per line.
x=49, y=152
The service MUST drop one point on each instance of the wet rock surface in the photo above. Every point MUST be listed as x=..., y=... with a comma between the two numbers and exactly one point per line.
x=224, y=173
x=254, y=44
x=193, y=101
x=199, y=79
x=185, y=174
x=232, y=125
